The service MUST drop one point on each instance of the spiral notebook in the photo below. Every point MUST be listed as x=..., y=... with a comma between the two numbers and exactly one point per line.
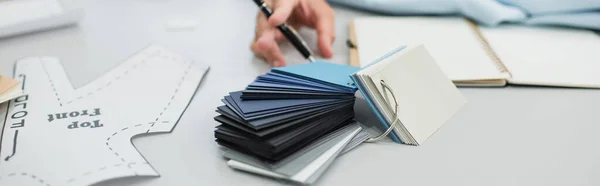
x=473, y=55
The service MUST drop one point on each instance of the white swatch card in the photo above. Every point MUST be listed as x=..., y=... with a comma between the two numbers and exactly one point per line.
x=56, y=135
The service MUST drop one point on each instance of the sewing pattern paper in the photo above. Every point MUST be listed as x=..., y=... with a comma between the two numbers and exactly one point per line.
x=57, y=135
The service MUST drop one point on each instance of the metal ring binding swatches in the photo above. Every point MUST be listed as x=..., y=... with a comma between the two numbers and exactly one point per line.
x=393, y=125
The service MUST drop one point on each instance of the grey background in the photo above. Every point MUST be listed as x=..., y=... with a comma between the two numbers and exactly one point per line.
x=504, y=136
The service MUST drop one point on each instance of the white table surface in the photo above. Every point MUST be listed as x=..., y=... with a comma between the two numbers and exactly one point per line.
x=504, y=136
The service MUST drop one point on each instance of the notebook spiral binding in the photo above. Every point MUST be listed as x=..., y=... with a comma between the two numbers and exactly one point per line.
x=491, y=53
x=393, y=125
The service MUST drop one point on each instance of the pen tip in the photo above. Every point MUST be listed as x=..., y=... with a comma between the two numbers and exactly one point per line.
x=311, y=59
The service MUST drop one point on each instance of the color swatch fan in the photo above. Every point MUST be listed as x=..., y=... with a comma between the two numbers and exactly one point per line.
x=292, y=122
x=287, y=110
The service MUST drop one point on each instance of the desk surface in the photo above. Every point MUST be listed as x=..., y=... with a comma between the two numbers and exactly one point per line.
x=505, y=136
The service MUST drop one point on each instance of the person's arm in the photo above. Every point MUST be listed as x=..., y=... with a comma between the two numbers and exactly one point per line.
x=316, y=14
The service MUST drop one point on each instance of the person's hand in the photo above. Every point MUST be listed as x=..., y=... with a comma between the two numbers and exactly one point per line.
x=316, y=14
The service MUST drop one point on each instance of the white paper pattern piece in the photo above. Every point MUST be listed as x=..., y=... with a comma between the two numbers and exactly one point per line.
x=56, y=135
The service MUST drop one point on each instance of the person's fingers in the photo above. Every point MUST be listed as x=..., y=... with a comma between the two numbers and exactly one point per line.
x=260, y=52
x=267, y=47
x=294, y=24
x=325, y=28
x=281, y=11
x=279, y=36
x=263, y=32
x=261, y=25
x=326, y=38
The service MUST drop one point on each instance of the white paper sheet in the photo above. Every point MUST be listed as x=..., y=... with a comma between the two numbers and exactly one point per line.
x=26, y=16
x=56, y=135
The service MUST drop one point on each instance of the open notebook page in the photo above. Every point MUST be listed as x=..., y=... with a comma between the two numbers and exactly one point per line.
x=450, y=40
x=547, y=56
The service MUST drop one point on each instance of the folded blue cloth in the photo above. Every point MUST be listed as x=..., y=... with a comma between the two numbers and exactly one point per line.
x=572, y=13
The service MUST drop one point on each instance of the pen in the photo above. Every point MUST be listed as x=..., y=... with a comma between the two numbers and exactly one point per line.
x=288, y=32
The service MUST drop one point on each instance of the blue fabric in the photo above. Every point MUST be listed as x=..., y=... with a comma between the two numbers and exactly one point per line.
x=572, y=13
